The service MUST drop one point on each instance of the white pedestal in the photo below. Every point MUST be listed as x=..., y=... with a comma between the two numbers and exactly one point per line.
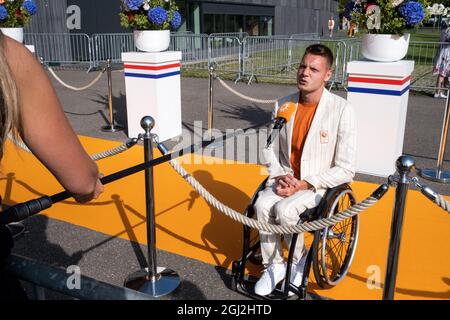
x=152, y=84
x=379, y=93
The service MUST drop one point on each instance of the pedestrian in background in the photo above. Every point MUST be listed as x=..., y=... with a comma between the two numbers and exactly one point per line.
x=331, y=26
x=442, y=62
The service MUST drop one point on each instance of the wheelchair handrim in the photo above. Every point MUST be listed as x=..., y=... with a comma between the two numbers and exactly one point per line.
x=352, y=245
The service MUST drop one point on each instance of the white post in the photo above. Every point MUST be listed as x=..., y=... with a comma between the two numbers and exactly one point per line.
x=152, y=83
x=379, y=93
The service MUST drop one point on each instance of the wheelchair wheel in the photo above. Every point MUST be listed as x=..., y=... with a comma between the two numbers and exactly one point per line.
x=334, y=247
x=255, y=257
x=254, y=249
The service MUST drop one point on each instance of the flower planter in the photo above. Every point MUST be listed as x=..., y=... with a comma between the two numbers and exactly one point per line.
x=15, y=33
x=384, y=47
x=152, y=40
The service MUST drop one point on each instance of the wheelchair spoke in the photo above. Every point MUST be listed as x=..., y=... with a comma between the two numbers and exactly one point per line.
x=341, y=254
x=336, y=256
x=333, y=244
x=346, y=223
x=332, y=256
x=337, y=243
x=338, y=248
x=339, y=227
x=332, y=262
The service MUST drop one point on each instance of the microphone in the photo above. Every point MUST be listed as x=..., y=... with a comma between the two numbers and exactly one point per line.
x=284, y=114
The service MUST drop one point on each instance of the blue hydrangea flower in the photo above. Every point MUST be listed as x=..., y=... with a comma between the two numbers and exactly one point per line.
x=3, y=13
x=176, y=20
x=351, y=7
x=413, y=12
x=134, y=4
x=157, y=15
x=30, y=6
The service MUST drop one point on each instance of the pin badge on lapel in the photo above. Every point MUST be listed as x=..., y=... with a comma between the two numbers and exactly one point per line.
x=323, y=136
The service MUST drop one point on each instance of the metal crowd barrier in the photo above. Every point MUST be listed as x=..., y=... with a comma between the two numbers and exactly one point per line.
x=226, y=54
x=240, y=35
x=237, y=53
x=194, y=48
x=110, y=46
x=305, y=36
x=280, y=57
x=61, y=48
x=267, y=56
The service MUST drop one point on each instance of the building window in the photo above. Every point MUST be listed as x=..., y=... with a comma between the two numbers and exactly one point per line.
x=266, y=25
x=210, y=17
x=253, y=25
x=234, y=23
x=208, y=23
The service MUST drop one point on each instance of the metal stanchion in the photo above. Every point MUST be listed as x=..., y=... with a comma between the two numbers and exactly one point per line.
x=156, y=281
x=404, y=166
x=111, y=127
x=438, y=175
x=211, y=99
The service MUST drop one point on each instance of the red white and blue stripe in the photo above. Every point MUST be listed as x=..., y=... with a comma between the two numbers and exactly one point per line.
x=154, y=71
x=390, y=86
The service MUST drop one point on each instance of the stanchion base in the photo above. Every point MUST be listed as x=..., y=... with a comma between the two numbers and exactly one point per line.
x=113, y=128
x=434, y=175
x=166, y=281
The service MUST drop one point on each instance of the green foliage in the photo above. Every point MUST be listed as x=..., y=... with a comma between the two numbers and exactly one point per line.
x=392, y=22
x=18, y=17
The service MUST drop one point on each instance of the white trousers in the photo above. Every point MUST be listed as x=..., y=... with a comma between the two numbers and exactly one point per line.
x=271, y=208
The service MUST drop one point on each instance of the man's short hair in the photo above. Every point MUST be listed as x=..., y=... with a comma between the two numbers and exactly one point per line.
x=320, y=50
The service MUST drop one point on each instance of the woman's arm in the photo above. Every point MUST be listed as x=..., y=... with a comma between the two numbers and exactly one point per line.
x=45, y=128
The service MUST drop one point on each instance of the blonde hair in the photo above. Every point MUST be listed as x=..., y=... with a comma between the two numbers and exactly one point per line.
x=9, y=99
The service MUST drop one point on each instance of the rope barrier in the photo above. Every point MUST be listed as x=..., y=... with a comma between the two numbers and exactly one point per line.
x=441, y=202
x=226, y=86
x=277, y=229
x=432, y=195
x=96, y=157
x=76, y=88
x=229, y=212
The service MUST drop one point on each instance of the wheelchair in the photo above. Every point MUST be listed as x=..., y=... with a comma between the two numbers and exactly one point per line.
x=330, y=255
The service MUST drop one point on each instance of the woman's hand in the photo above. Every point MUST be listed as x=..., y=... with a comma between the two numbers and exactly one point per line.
x=83, y=198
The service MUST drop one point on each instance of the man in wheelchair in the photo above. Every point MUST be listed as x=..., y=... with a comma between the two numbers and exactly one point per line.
x=316, y=151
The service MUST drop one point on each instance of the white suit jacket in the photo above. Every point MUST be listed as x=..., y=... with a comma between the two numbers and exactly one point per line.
x=329, y=152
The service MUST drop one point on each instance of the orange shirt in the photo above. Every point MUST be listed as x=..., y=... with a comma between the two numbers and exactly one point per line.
x=302, y=123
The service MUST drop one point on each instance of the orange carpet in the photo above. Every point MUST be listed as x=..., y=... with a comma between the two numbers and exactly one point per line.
x=188, y=226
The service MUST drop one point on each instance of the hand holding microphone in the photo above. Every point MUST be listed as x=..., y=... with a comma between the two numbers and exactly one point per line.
x=284, y=114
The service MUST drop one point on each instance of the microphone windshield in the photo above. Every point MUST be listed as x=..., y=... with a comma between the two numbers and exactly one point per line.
x=286, y=111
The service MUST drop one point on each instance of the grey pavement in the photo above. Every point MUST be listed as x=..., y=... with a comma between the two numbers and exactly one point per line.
x=111, y=259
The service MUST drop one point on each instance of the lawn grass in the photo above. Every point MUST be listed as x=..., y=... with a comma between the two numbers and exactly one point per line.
x=425, y=35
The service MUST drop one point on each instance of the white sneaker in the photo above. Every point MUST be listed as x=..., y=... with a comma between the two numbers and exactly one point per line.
x=273, y=275
x=440, y=95
x=296, y=274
